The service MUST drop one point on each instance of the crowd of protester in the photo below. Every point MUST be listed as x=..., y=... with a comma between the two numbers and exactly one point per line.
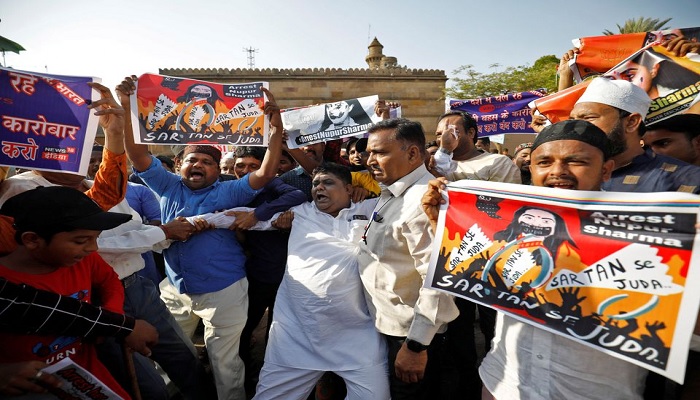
x=332, y=239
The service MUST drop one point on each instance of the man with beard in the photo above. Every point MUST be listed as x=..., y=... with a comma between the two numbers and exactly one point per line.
x=618, y=108
x=521, y=158
x=526, y=362
x=459, y=158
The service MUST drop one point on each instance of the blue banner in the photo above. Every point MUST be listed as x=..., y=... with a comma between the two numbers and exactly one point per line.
x=44, y=121
x=496, y=115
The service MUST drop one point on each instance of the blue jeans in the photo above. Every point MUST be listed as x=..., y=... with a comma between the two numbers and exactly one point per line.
x=174, y=352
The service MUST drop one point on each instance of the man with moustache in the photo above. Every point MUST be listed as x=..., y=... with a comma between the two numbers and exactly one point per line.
x=394, y=256
x=298, y=177
x=526, y=362
x=321, y=322
x=459, y=158
x=521, y=158
x=206, y=273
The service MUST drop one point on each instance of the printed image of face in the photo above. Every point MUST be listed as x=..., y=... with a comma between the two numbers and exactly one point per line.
x=338, y=112
x=199, y=170
x=330, y=194
x=639, y=75
x=537, y=222
x=569, y=164
x=245, y=165
x=201, y=91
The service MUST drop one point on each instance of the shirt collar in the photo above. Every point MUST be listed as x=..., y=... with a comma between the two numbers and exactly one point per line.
x=401, y=185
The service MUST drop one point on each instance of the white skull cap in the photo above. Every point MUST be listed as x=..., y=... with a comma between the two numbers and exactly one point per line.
x=617, y=93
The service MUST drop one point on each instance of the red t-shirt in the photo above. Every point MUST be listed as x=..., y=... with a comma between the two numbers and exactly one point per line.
x=91, y=280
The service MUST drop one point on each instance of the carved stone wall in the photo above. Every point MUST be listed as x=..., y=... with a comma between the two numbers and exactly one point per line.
x=419, y=91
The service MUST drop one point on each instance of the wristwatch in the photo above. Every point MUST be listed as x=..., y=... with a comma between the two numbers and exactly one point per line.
x=415, y=346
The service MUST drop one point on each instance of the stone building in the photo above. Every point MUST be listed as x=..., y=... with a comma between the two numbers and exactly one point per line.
x=420, y=91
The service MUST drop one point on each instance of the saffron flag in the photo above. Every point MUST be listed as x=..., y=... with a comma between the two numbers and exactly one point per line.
x=177, y=111
x=598, y=54
x=612, y=271
x=672, y=82
x=46, y=124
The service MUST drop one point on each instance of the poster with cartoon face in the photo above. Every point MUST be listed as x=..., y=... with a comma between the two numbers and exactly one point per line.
x=178, y=111
x=608, y=270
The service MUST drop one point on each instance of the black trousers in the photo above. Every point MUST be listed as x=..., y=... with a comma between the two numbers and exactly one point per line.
x=440, y=380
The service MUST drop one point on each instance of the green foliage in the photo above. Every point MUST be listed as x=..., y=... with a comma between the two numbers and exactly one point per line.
x=640, y=24
x=471, y=84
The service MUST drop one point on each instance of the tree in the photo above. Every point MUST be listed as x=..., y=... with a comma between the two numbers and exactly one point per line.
x=640, y=24
x=471, y=84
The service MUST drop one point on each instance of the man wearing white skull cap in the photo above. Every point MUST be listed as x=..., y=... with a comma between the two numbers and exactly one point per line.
x=618, y=108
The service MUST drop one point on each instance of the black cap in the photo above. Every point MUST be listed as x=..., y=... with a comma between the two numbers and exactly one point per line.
x=59, y=206
x=575, y=129
x=686, y=123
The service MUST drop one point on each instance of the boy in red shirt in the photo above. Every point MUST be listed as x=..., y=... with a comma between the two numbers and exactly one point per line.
x=57, y=229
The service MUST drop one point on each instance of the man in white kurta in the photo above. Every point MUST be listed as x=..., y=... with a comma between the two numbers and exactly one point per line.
x=321, y=321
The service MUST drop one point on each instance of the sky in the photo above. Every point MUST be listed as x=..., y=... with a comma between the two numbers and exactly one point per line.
x=112, y=39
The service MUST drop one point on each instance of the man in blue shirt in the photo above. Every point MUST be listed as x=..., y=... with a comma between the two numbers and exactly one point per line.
x=206, y=274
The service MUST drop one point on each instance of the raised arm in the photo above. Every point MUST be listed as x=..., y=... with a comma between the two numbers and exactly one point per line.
x=137, y=153
x=110, y=180
x=268, y=169
x=566, y=75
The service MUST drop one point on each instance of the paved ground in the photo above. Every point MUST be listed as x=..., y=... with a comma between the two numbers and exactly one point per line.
x=258, y=349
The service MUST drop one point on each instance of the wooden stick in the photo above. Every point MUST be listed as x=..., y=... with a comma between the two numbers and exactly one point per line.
x=131, y=371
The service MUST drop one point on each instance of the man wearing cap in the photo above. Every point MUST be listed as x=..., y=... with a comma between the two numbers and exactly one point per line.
x=531, y=363
x=521, y=158
x=677, y=137
x=618, y=108
x=121, y=248
x=206, y=274
x=57, y=229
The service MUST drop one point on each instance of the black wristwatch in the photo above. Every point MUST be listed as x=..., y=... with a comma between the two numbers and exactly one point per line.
x=415, y=346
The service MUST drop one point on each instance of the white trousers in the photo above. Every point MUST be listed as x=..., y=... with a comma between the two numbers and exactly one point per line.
x=279, y=382
x=224, y=315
